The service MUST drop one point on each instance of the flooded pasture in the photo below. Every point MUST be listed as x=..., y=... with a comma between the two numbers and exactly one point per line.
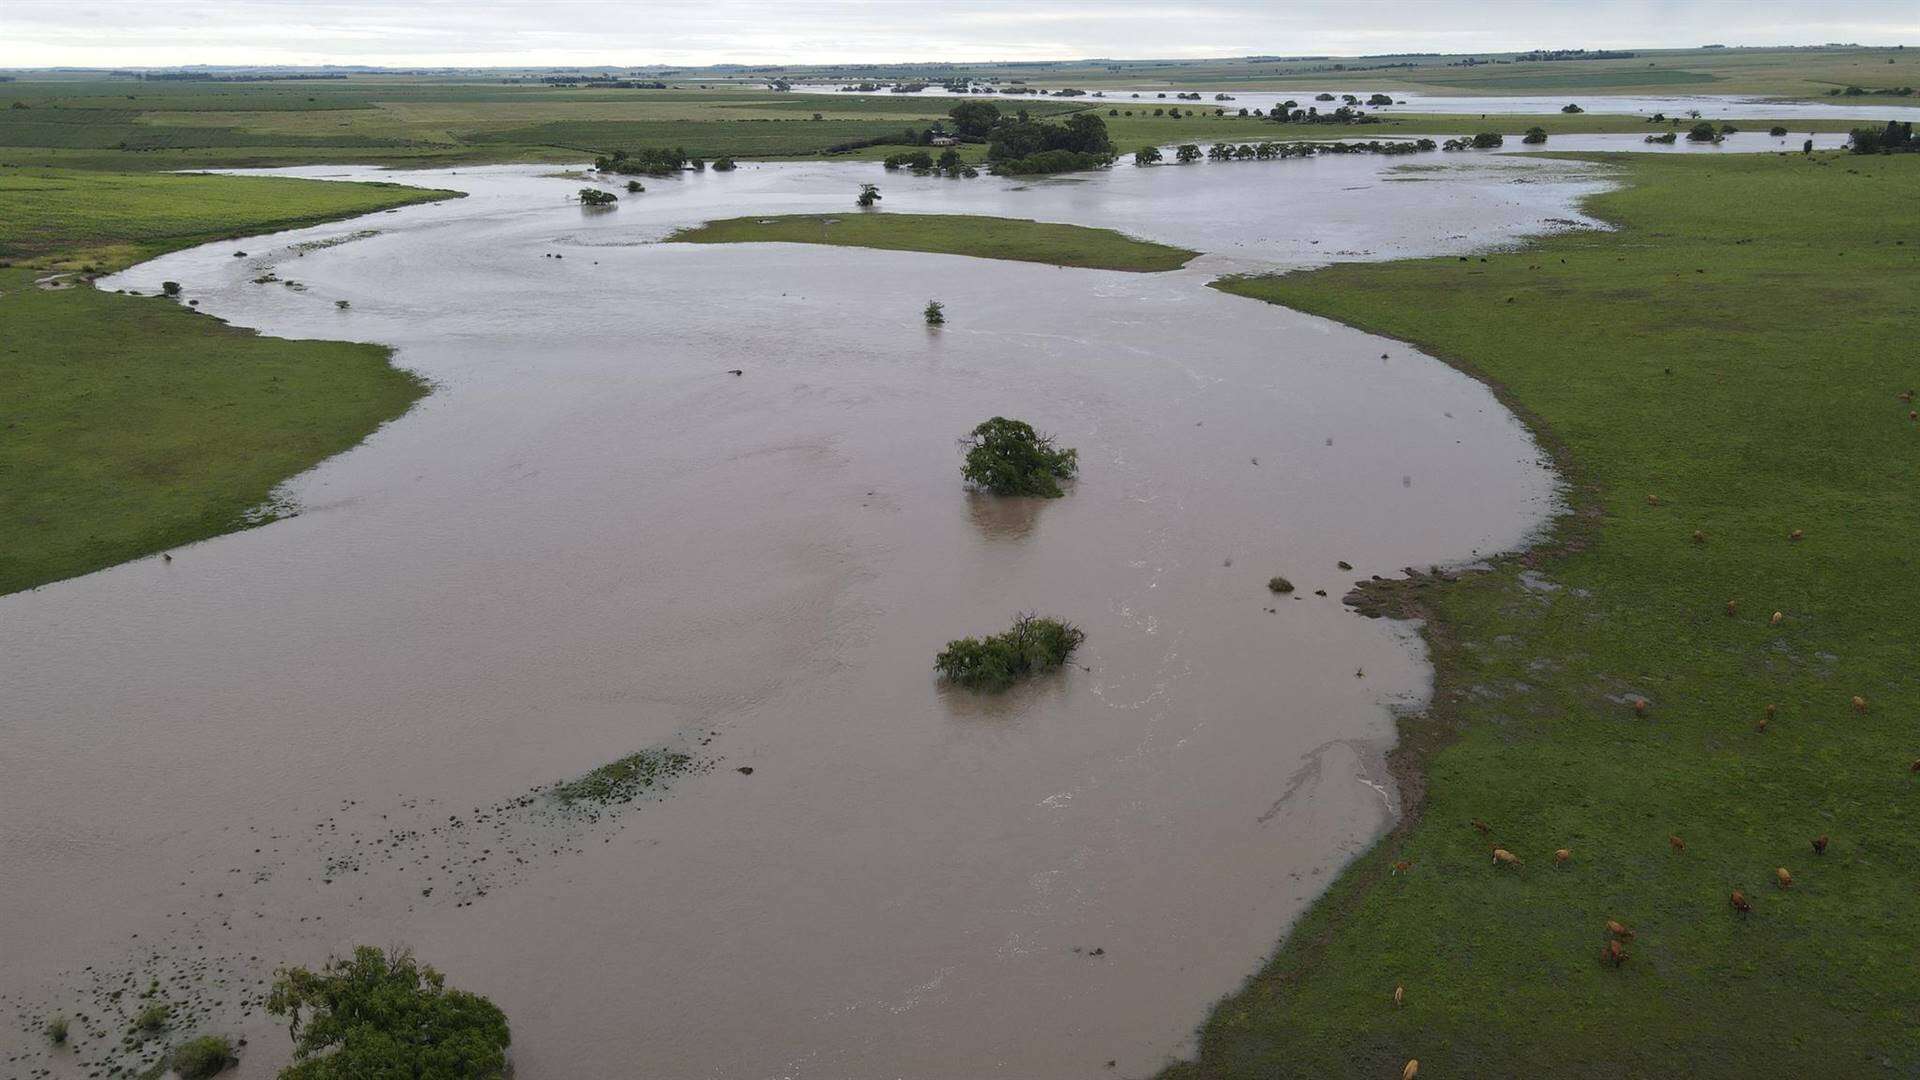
x=594, y=539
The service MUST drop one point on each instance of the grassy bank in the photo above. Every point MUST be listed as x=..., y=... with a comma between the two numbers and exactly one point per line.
x=134, y=425
x=61, y=218
x=1726, y=364
x=949, y=234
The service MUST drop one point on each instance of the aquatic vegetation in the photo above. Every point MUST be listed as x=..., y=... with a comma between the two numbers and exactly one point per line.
x=869, y=194
x=1007, y=457
x=202, y=1057
x=57, y=1028
x=596, y=197
x=936, y=313
x=1032, y=646
x=381, y=1015
x=1535, y=136
x=1279, y=584
x=626, y=779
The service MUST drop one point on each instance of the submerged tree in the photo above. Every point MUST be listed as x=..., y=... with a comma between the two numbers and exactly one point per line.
x=1186, y=154
x=936, y=313
x=1146, y=155
x=596, y=197
x=1032, y=646
x=1007, y=457
x=386, y=1016
x=869, y=194
x=1535, y=136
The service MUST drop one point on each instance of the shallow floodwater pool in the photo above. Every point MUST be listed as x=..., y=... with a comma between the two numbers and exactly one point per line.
x=593, y=539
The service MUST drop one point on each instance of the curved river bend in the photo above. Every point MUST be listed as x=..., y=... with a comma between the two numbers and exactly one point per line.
x=592, y=539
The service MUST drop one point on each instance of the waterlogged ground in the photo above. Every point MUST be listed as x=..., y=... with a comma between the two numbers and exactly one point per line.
x=595, y=540
x=1709, y=106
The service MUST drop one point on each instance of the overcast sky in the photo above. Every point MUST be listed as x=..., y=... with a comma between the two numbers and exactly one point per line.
x=114, y=33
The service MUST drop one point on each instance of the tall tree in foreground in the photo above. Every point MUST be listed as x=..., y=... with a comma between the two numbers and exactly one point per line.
x=387, y=1017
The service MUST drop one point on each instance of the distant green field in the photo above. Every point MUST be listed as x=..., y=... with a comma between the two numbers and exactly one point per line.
x=948, y=234
x=132, y=424
x=1720, y=381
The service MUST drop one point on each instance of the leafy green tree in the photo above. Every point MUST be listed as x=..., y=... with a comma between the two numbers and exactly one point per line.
x=1702, y=132
x=1535, y=136
x=974, y=119
x=1186, y=154
x=171, y=288
x=386, y=1017
x=869, y=194
x=1571, y=108
x=596, y=197
x=936, y=313
x=1146, y=155
x=1007, y=457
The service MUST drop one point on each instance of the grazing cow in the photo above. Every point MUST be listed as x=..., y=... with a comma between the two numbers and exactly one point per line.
x=1733, y=608
x=1820, y=844
x=1796, y=535
x=1739, y=902
x=1502, y=855
x=1678, y=845
x=1777, y=619
x=1616, y=953
x=1699, y=537
x=1859, y=704
x=1783, y=877
x=1562, y=856
x=1411, y=1070
x=1639, y=706
x=1619, y=930
x=1402, y=866
x=1399, y=996
x=1482, y=827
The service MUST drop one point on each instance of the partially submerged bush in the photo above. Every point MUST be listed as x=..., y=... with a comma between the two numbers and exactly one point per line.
x=381, y=1016
x=208, y=1055
x=1702, y=132
x=635, y=187
x=869, y=194
x=57, y=1028
x=1535, y=136
x=1032, y=646
x=153, y=1018
x=1668, y=138
x=596, y=197
x=724, y=164
x=1279, y=584
x=1007, y=457
x=171, y=288
x=936, y=313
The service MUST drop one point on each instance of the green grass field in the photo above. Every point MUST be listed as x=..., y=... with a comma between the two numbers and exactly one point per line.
x=67, y=218
x=949, y=234
x=134, y=425
x=1727, y=362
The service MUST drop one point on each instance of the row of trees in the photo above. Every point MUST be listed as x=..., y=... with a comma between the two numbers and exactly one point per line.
x=1271, y=151
x=1895, y=138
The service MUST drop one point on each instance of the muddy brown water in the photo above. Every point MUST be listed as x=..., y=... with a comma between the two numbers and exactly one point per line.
x=591, y=540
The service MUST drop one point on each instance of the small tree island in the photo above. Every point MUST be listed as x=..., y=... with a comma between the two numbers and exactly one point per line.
x=1033, y=646
x=1007, y=457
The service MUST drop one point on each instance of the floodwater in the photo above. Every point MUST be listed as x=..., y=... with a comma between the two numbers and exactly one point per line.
x=1710, y=106
x=593, y=539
